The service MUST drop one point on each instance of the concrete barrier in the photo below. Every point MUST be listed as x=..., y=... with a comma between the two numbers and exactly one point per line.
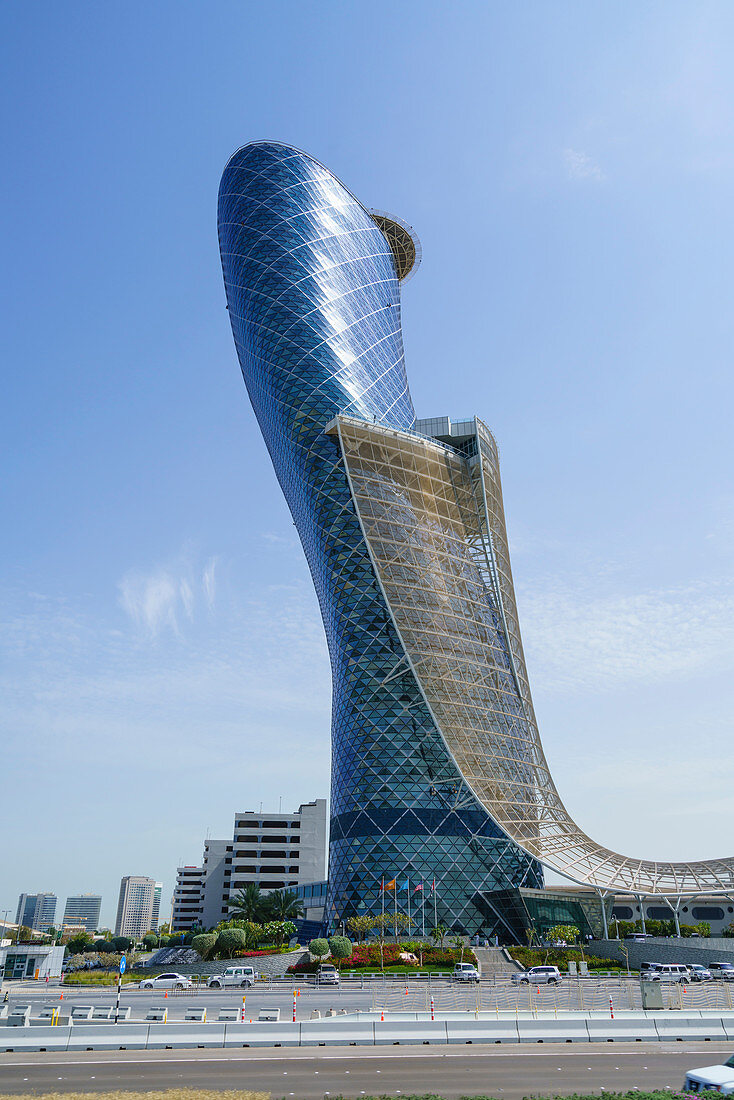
x=568, y=1029
x=45, y=1037
x=262, y=1035
x=157, y=1015
x=230, y=1015
x=269, y=1015
x=396, y=1032
x=177, y=1034
x=675, y=1027
x=631, y=1029
x=81, y=1012
x=19, y=1016
x=101, y=1036
x=195, y=1014
x=349, y=1031
x=481, y=1031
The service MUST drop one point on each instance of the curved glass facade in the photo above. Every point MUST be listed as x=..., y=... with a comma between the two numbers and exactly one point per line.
x=314, y=302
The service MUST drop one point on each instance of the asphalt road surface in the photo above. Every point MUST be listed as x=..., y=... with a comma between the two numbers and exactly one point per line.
x=508, y=1074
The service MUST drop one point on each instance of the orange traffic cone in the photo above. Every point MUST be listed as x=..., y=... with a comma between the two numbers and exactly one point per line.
x=61, y=997
x=165, y=994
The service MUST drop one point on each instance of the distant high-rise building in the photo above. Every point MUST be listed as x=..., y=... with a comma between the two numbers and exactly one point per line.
x=37, y=911
x=83, y=909
x=138, y=906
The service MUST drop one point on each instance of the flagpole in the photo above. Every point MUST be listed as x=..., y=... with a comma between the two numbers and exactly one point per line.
x=435, y=918
x=395, y=920
x=423, y=912
x=382, y=928
x=410, y=922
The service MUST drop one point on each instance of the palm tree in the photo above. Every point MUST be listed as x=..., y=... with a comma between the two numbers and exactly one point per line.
x=249, y=903
x=283, y=905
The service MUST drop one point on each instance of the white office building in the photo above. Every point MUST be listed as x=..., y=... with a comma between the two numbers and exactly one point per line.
x=278, y=850
x=138, y=907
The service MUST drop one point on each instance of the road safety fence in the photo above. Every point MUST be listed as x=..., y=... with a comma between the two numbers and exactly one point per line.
x=568, y=995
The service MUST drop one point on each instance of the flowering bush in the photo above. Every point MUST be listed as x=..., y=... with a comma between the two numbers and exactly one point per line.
x=367, y=956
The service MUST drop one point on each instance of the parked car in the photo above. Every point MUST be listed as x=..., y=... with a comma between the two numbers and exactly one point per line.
x=466, y=972
x=166, y=981
x=666, y=972
x=647, y=968
x=242, y=976
x=638, y=937
x=722, y=971
x=712, y=1079
x=327, y=974
x=538, y=975
x=699, y=973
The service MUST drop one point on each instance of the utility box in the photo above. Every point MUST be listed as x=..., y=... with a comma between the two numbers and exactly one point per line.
x=572, y=968
x=652, y=994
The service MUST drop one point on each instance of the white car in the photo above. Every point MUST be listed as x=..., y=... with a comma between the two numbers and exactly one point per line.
x=166, y=981
x=712, y=1079
x=538, y=975
x=699, y=973
x=243, y=976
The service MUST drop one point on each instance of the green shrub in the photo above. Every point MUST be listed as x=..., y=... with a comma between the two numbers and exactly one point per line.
x=340, y=947
x=320, y=948
x=204, y=943
x=230, y=941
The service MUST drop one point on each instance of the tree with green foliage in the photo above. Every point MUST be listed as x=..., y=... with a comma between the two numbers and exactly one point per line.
x=121, y=943
x=439, y=933
x=283, y=905
x=230, y=942
x=319, y=948
x=204, y=943
x=248, y=904
x=340, y=948
x=563, y=934
x=150, y=940
x=80, y=943
x=362, y=926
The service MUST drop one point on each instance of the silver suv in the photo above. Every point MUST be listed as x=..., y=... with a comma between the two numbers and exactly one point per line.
x=466, y=972
x=538, y=975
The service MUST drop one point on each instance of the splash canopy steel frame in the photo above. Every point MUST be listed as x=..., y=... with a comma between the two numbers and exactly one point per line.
x=433, y=518
x=438, y=770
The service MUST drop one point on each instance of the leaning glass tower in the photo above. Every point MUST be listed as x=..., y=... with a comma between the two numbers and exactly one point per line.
x=313, y=291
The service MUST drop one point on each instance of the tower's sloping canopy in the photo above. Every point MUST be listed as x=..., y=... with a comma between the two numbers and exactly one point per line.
x=433, y=519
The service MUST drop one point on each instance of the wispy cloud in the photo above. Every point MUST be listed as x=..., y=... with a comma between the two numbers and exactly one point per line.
x=580, y=638
x=580, y=166
x=159, y=598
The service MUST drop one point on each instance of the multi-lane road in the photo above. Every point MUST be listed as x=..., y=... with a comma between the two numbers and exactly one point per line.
x=508, y=1074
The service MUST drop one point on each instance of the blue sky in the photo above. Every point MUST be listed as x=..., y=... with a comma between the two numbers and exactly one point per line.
x=569, y=170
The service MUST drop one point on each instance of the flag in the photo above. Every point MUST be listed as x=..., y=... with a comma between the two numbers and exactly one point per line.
x=389, y=885
x=433, y=887
x=406, y=885
x=418, y=887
